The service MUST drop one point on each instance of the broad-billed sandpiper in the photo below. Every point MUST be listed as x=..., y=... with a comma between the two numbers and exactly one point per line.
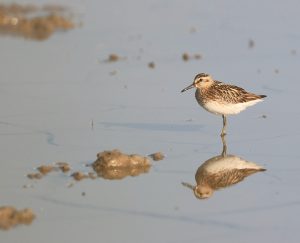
x=220, y=98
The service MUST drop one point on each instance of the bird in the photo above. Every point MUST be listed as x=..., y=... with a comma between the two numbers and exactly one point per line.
x=220, y=98
x=221, y=171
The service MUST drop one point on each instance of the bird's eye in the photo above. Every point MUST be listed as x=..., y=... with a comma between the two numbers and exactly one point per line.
x=201, y=79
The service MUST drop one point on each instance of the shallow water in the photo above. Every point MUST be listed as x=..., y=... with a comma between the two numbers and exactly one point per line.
x=61, y=101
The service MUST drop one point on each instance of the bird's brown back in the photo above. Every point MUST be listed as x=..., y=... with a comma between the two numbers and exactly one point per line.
x=226, y=93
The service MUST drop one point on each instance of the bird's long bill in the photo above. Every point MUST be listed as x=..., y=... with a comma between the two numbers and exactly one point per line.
x=188, y=185
x=188, y=87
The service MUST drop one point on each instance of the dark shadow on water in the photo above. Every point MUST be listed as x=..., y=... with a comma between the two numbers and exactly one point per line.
x=50, y=137
x=155, y=126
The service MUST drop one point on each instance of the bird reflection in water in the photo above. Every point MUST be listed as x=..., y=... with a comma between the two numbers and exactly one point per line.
x=221, y=171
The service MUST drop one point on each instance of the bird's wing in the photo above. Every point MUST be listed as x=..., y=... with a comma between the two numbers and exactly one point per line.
x=228, y=178
x=232, y=93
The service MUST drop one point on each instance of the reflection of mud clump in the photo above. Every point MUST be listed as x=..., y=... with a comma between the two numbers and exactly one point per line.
x=41, y=28
x=116, y=165
x=18, y=20
x=46, y=169
x=34, y=176
x=63, y=166
x=78, y=175
x=10, y=217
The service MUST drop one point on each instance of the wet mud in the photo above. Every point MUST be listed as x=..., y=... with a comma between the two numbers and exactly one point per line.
x=34, y=22
x=110, y=164
x=46, y=169
x=116, y=165
x=11, y=217
x=157, y=156
x=187, y=57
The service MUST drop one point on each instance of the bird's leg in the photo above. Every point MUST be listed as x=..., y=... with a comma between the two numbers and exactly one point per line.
x=224, y=151
x=223, y=133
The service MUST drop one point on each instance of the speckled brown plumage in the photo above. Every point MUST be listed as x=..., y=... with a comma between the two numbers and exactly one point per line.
x=225, y=93
x=224, y=178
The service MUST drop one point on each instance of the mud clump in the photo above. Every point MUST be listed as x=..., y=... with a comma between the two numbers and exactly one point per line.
x=113, y=58
x=187, y=57
x=45, y=169
x=10, y=217
x=116, y=165
x=157, y=156
x=251, y=44
x=293, y=52
x=109, y=165
x=151, y=65
x=33, y=22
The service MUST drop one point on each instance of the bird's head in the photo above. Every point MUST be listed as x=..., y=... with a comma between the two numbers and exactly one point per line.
x=203, y=191
x=200, y=191
x=201, y=80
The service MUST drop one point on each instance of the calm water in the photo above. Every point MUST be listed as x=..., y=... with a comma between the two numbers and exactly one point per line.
x=52, y=92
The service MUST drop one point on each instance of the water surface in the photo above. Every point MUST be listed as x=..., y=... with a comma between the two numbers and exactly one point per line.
x=60, y=101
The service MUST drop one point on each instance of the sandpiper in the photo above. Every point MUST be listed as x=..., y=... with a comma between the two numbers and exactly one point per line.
x=220, y=98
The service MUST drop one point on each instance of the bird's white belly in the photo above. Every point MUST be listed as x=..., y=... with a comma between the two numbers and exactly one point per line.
x=227, y=108
x=230, y=162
